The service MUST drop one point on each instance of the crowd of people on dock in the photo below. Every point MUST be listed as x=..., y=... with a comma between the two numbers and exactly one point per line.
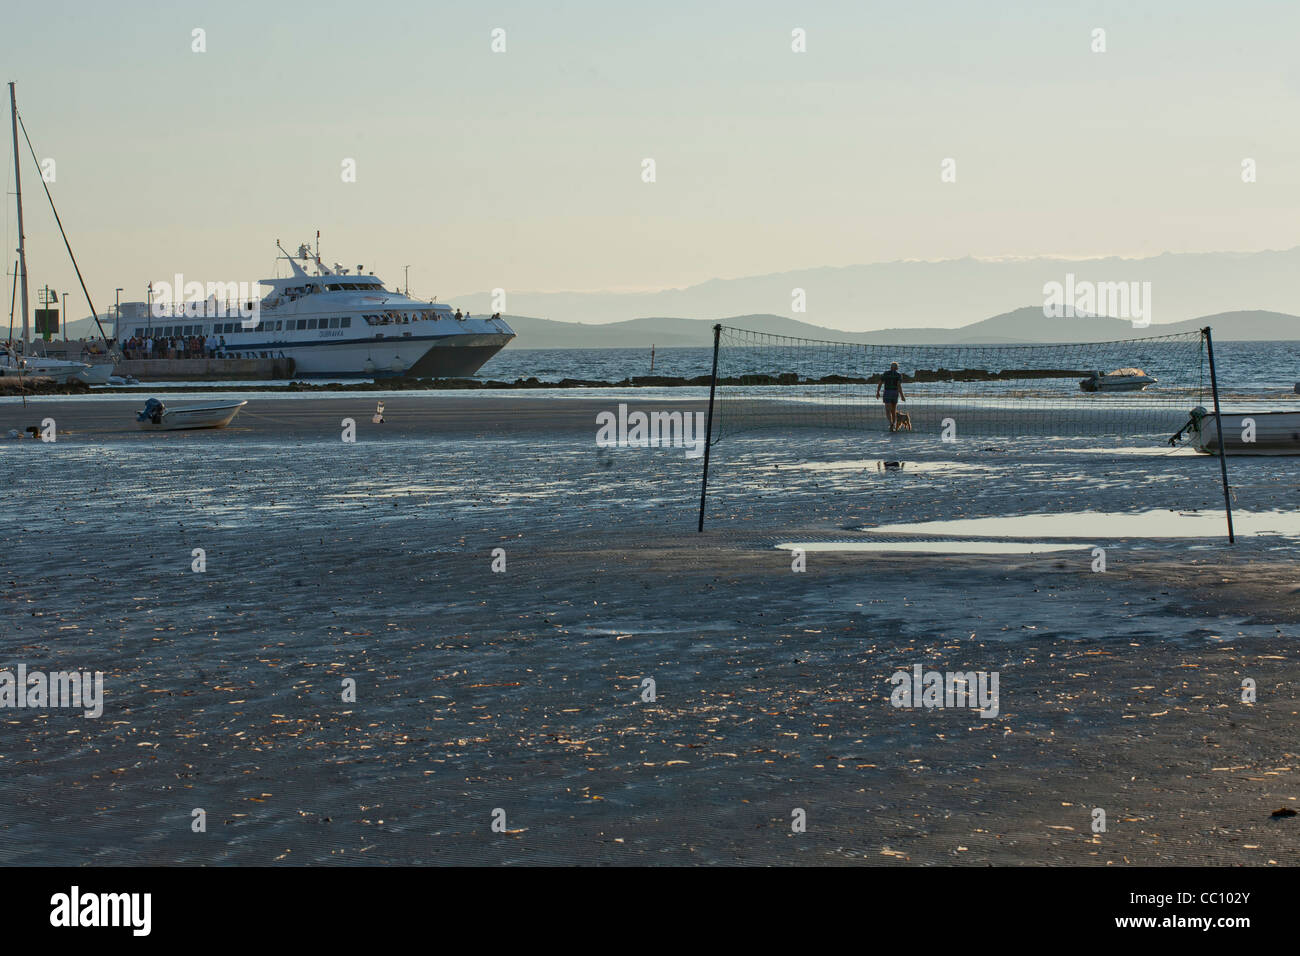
x=174, y=347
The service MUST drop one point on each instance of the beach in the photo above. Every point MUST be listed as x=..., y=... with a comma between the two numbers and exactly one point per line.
x=509, y=686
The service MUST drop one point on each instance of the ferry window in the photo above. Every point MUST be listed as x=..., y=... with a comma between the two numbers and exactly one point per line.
x=311, y=323
x=334, y=323
x=347, y=321
x=302, y=324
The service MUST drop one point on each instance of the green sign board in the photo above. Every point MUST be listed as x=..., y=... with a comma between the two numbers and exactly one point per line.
x=47, y=321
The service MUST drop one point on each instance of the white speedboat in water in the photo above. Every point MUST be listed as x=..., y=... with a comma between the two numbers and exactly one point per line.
x=13, y=365
x=158, y=417
x=335, y=322
x=1120, y=380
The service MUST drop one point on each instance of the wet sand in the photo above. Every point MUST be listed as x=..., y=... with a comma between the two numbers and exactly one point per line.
x=523, y=690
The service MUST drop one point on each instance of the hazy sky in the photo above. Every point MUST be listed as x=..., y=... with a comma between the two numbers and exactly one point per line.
x=523, y=169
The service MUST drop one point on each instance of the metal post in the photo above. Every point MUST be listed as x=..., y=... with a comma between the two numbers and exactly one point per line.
x=18, y=190
x=708, y=431
x=1218, y=421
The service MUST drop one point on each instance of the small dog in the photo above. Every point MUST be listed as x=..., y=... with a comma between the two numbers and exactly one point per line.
x=901, y=421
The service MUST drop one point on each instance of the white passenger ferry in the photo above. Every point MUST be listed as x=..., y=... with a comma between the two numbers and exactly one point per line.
x=333, y=322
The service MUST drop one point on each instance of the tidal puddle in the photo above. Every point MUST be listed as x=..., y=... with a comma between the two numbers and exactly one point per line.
x=1152, y=451
x=936, y=547
x=884, y=464
x=1095, y=525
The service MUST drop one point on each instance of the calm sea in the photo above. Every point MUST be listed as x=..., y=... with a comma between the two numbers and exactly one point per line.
x=1243, y=368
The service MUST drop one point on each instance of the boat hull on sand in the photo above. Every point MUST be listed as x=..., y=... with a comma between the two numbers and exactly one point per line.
x=1275, y=433
x=96, y=374
x=203, y=416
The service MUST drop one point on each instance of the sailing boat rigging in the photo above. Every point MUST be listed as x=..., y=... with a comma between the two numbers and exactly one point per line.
x=14, y=359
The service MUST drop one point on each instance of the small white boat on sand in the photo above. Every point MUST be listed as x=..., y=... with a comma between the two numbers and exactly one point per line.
x=1120, y=380
x=1252, y=433
x=158, y=417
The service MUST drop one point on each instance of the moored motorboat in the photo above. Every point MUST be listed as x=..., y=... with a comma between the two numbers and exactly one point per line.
x=13, y=365
x=1120, y=380
x=158, y=417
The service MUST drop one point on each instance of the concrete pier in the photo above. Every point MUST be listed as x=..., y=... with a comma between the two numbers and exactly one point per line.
x=207, y=370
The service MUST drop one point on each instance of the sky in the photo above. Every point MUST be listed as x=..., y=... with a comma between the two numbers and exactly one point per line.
x=523, y=169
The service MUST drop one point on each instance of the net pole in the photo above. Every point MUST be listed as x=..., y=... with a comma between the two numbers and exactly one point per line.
x=1218, y=424
x=708, y=428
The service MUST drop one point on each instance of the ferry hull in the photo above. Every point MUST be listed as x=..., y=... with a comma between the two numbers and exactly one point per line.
x=459, y=357
x=379, y=358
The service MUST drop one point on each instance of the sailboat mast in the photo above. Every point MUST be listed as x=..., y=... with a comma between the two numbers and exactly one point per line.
x=18, y=190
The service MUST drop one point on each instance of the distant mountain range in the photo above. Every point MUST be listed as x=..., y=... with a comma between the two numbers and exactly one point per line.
x=1027, y=325
x=1244, y=296
x=943, y=294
